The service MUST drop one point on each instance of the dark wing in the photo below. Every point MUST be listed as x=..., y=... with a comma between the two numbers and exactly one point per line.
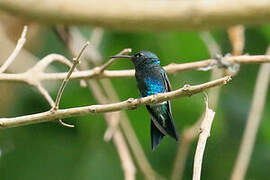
x=166, y=80
x=168, y=87
x=173, y=131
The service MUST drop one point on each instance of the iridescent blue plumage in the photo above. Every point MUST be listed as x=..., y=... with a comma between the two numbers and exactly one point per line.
x=153, y=86
x=152, y=79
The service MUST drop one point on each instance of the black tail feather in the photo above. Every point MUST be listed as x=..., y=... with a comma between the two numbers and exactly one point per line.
x=171, y=130
x=156, y=136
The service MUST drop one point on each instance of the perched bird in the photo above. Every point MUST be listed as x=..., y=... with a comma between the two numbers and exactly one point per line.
x=151, y=79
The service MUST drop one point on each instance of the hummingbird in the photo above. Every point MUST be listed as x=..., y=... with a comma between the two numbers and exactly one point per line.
x=152, y=79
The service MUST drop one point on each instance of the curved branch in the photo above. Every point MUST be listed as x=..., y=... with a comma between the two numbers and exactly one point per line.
x=131, y=103
x=142, y=15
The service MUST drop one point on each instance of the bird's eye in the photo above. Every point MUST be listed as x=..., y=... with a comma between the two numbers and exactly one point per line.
x=139, y=55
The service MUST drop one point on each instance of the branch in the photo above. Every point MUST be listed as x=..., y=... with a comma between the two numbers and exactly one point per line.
x=205, y=133
x=37, y=69
x=253, y=123
x=187, y=137
x=96, y=73
x=131, y=103
x=142, y=15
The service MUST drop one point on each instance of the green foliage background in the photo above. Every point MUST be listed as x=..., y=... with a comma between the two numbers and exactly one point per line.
x=51, y=151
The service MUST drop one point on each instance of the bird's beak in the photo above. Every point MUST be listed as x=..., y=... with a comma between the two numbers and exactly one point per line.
x=121, y=56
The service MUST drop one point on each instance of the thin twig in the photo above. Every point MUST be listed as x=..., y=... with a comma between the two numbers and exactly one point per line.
x=16, y=51
x=131, y=103
x=76, y=61
x=40, y=67
x=204, y=134
x=253, y=122
x=65, y=81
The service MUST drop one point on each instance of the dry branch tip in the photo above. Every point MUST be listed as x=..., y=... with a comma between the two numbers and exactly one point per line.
x=16, y=51
x=66, y=124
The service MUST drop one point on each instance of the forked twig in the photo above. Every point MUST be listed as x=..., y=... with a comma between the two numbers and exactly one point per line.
x=65, y=81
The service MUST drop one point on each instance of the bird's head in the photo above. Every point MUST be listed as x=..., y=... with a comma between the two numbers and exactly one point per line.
x=143, y=57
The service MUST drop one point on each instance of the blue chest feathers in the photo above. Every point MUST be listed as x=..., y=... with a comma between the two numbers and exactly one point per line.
x=153, y=86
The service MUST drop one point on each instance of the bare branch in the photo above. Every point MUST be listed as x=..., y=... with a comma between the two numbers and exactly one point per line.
x=170, y=69
x=142, y=15
x=41, y=65
x=187, y=137
x=131, y=103
x=204, y=134
x=16, y=51
x=253, y=123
